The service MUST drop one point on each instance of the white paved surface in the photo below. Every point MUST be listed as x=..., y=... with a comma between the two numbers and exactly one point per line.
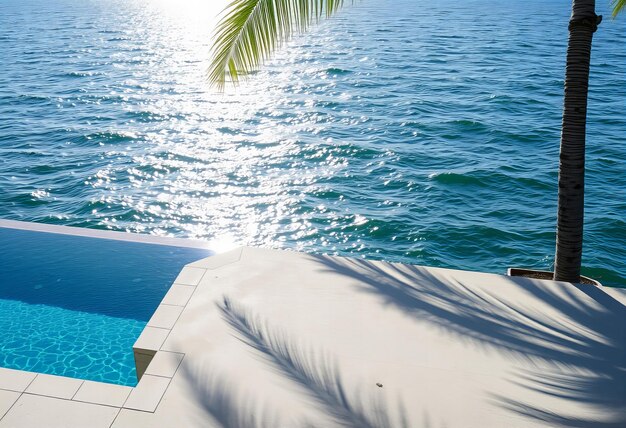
x=281, y=339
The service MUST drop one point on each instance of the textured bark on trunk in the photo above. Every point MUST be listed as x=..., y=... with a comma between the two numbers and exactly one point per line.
x=569, y=234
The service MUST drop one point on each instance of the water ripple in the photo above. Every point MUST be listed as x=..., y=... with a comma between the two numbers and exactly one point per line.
x=426, y=137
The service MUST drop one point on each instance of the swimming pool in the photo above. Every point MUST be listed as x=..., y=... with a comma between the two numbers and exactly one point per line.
x=73, y=305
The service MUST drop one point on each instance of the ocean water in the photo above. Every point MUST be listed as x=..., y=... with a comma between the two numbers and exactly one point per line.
x=414, y=131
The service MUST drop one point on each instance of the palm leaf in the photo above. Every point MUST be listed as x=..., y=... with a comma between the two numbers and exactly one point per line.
x=251, y=30
x=618, y=6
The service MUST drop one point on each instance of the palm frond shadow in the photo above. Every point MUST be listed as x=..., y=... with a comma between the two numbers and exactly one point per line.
x=592, y=344
x=229, y=407
x=316, y=372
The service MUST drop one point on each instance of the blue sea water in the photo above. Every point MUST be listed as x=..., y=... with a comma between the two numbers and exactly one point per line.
x=415, y=131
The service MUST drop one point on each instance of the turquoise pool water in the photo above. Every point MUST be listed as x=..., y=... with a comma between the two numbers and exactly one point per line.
x=415, y=131
x=74, y=306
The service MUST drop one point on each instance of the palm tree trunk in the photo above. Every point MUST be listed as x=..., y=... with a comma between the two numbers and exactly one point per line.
x=569, y=235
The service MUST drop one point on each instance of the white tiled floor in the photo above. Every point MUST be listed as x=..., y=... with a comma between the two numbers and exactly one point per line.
x=15, y=380
x=148, y=393
x=54, y=386
x=178, y=295
x=164, y=364
x=190, y=276
x=165, y=316
x=103, y=393
x=34, y=411
x=151, y=338
x=7, y=399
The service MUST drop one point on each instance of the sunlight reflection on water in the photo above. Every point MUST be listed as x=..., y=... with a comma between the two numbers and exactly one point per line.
x=432, y=144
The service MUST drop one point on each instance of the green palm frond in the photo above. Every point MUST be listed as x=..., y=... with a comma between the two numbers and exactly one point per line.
x=251, y=30
x=618, y=6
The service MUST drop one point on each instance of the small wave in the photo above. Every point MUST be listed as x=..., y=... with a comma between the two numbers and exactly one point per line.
x=111, y=136
x=79, y=74
x=228, y=130
x=32, y=99
x=27, y=200
x=333, y=71
x=150, y=116
x=468, y=124
x=328, y=194
x=484, y=178
x=453, y=178
x=45, y=169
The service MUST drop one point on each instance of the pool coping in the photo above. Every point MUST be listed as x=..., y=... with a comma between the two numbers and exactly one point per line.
x=104, y=234
x=155, y=366
x=153, y=379
x=148, y=349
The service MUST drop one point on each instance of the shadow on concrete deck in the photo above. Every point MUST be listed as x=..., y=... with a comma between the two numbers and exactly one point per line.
x=315, y=371
x=592, y=344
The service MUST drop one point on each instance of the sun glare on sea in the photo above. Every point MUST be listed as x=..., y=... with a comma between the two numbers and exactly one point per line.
x=190, y=9
x=206, y=165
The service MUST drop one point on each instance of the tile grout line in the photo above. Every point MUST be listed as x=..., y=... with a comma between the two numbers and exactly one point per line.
x=68, y=399
x=72, y=398
x=116, y=415
x=160, y=399
x=195, y=287
x=157, y=375
x=183, y=310
x=30, y=383
x=19, y=396
x=163, y=395
x=201, y=276
x=177, y=317
x=169, y=331
x=127, y=397
x=96, y=404
x=173, y=352
x=77, y=389
x=10, y=407
x=36, y=394
x=168, y=384
x=206, y=270
x=160, y=328
x=15, y=402
x=179, y=364
x=193, y=267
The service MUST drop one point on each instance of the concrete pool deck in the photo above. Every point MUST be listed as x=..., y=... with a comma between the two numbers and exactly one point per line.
x=272, y=338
